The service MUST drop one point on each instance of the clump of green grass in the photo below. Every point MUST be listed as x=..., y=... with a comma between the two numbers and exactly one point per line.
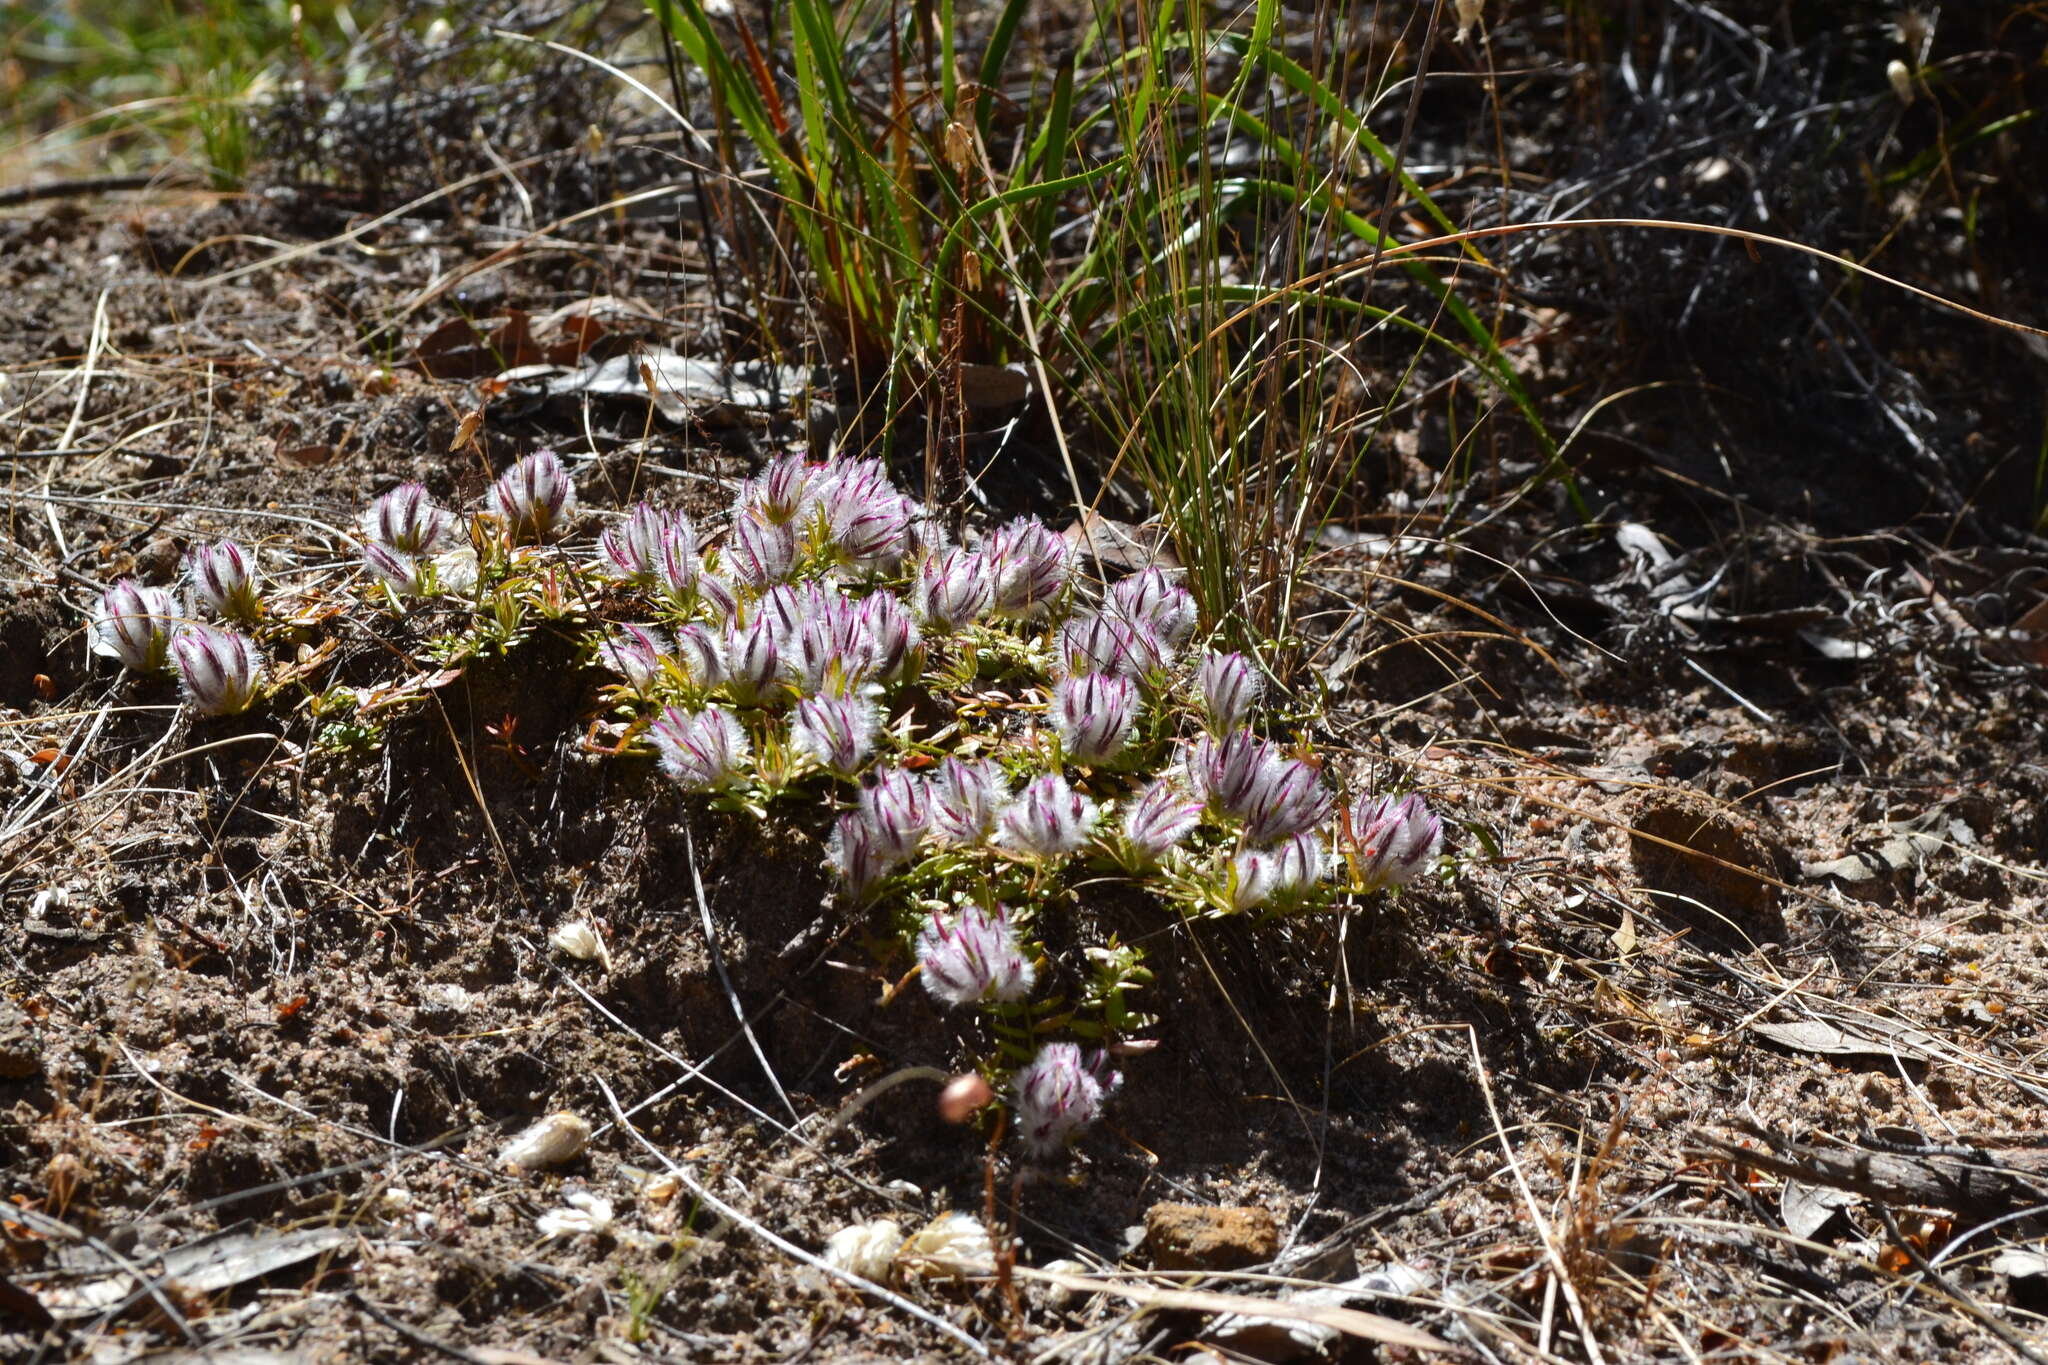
x=105, y=88
x=1166, y=229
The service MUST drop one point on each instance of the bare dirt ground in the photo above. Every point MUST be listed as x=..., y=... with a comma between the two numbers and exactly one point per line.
x=1721, y=1043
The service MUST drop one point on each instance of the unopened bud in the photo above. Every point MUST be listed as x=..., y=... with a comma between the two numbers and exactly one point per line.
x=962, y=1096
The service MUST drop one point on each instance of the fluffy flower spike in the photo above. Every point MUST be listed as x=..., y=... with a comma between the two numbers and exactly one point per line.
x=699, y=749
x=1148, y=598
x=638, y=654
x=1048, y=819
x=406, y=521
x=1059, y=1095
x=953, y=589
x=839, y=732
x=219, y=669
x=973, y=957
x=224, y=579
x=1229, y=687
x=967, y=796
x=1398, y=837
x=1158, y=820
x=1029, y=563
x=897, y=810
x=1093, y=714
x=650, y=546
x=534, y=497
x=134, y=624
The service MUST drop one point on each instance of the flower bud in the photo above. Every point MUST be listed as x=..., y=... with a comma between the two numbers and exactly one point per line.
x=953, y=589
x=1227, y=771
x=718, y=596
x=1229, y=688
x=1029, y=563
x=1048, y=819
x=973, y=957
x=967, y=797
x=854, y=856
x=893, y=636
x=1288, y=799
x=699, y=656
x=1280, y=873
x=1397, y=837
x=839, y=732
x=1159, y=819
x=400, y=572
x=897, y=809
x=406, y=521
x=1109, y=644
x=134, y=624
x=753, y=662
x=699, y=749
x=779, y=494
x=1148, y=599
x=1093, y=715
x=650, y=547
x=534, y=497
x=1059, y=1095
x=219, y=669
x=223, y=577
x=760, y=552
x=866, y=518
x=637, y=654
x=963, y=1096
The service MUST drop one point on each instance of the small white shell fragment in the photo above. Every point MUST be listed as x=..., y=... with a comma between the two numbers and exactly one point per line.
x=865, y=1249
x=580, y=941
x=557, y=1138
x=1058, y=1295
x=953, y=1243
x=586, y=1212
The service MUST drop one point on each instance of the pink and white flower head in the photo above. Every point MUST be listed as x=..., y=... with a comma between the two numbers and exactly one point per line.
x=534, y=497
x=753, y=659
x=1047, y=819
x=1288, y=799
x=973, y=958
x=1398, y=837
x=717, y=595
x=839, y=732
x=1029, y=563
x=893, y=637
x=1059, y=1095
x=224, y=580
x=832, y=651
x=1259, y=876
x=219, y=670
x=1156, y=822
x=953, y=589
x=854, y=855
x=868, y=520
x=404, y=574
x=1109, y=644
x=699, y=749
x=761, y=553
x=639, y=548
x=673, y=566
x=639, y=655
x=967, y=797
x=1229, y=687
x=1093, y=715
x=896, y=808
x=406, y=521
x=1148, y=598
x=779, y=493
x=134, y=624
x=1226, y=771
x=699, y=656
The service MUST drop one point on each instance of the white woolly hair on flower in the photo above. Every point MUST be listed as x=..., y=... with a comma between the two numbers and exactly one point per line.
x=1047, y=819
x=219, y=670
x=839, y=732
x=699, y=749
x=865, y=1249
x=973, y=957
x=134, y=624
